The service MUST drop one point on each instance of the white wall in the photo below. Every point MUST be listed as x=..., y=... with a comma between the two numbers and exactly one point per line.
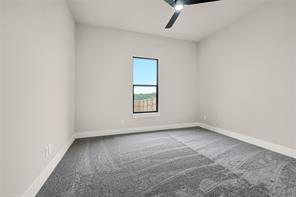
x=104, y=78
x=247, y=75
x=1, y=110
x=39, y=54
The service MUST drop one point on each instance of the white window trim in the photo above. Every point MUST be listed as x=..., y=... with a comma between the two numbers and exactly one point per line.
x=146, y=115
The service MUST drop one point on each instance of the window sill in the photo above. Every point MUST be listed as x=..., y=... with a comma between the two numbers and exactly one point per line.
x=146, y=115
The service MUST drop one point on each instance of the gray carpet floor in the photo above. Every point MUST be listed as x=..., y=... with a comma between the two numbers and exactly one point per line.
x=185, y=162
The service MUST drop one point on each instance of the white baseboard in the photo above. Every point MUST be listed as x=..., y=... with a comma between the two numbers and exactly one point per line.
x=87, y=134
x=40, y=180
x=261, y=143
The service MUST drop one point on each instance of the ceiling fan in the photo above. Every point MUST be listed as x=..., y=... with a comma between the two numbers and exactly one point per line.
x=178, y=6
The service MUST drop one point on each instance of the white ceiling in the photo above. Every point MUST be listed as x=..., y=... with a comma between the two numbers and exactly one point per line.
x=151, y=16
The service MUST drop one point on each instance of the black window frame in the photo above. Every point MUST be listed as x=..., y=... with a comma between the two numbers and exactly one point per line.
x=145, y=85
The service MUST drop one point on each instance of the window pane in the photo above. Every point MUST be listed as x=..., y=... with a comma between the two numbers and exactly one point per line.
x=145, y=71
x=144, y=99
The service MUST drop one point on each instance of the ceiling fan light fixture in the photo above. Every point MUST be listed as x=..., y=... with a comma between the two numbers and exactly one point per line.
x=179, y=7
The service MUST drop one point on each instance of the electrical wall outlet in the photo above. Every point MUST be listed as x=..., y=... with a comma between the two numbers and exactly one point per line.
x=48, y=150
x=205, y=117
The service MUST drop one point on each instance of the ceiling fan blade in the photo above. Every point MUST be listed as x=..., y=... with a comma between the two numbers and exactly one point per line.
x=173, y=19
x=191, y=2
x=170, y=2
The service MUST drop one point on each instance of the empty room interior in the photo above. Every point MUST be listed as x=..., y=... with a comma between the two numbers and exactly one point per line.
x=148, y=98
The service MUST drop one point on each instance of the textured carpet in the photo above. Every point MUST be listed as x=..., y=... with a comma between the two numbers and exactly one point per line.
x=185, y=162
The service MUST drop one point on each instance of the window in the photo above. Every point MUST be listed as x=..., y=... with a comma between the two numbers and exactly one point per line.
x=145, y=85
